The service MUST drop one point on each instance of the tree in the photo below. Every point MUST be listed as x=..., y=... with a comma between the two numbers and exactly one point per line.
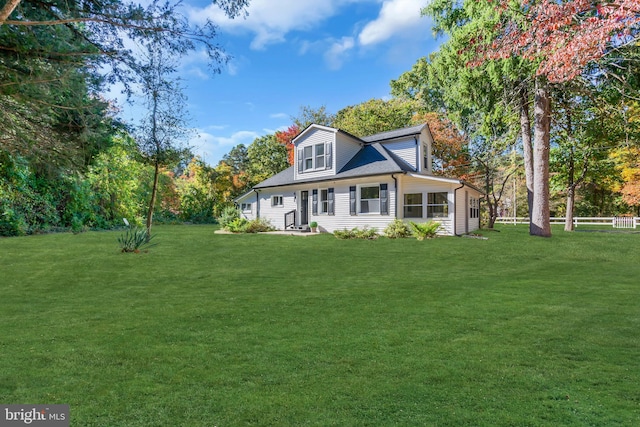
x=561, y=38
x=197, y=192
x=237, y=159
x=53, y=55
x=308, y=115
x=375, y=116
x=285, y=137
x=450, y=147
x=164, y=128
x=267, y=157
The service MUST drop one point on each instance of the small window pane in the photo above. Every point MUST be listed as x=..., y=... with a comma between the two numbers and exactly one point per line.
x=370, y=192
x=413, y=211
x=413, y=199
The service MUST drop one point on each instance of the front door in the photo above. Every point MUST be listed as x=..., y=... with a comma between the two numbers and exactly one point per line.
x=304, y=207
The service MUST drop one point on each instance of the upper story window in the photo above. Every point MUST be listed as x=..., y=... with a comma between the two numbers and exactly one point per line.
x=319, y=148
x=425, y=158
x=308, y=158
x=314, y=157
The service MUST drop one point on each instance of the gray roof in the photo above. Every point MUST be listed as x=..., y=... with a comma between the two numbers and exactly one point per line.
x=372, y=159
x=398, y=133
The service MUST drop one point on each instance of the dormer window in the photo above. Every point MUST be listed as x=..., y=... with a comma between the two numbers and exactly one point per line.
x=308, y=158
x=314, y=157
x=319, y=156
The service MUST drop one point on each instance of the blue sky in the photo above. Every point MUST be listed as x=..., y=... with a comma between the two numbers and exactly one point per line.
x=290, y=53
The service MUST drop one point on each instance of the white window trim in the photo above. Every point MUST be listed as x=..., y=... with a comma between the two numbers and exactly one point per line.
x=320, y=211
x=359, y=198
x=316, y=156
x=273, y=205
x=314, y=163
x=246, y=207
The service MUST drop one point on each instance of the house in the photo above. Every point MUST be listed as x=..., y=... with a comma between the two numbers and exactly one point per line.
x=342, y=181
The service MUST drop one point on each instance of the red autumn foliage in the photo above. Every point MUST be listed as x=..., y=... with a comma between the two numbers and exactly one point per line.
x=564, y=36
x=449, y=146
x=285, y=137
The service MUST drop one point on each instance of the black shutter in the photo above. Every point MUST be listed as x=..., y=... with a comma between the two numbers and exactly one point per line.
x=300, y=160
x=314, y=202
x=327, y=152
x=330, y=204
x=352, y=200
x=384, y=200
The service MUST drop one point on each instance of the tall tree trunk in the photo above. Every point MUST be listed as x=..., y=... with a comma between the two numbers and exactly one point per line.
x=571, y=175
x=527, y=148
x=568, y=220
x=152, y=203
x=540, y=221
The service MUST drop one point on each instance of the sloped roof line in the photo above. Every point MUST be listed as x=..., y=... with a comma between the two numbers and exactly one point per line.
x=396, y=133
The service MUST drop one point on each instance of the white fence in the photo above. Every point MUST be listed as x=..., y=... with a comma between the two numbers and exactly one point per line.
x=613, y=221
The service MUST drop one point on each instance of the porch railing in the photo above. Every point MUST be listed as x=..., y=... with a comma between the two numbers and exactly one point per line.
x=289, y=219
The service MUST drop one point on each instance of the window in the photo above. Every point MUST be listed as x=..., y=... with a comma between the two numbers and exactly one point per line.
x=474, y=208
x=370, y=199
x=425, y=157
x=246, y=207
x=437, y=205
x=277, y=201
x=413, y=205
x=308, y=158
x=319, y=148
x=324, y=201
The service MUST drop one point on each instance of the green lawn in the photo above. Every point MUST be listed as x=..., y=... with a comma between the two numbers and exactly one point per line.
x=234, y=330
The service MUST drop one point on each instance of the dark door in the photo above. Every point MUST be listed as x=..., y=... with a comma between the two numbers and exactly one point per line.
x=304, y=207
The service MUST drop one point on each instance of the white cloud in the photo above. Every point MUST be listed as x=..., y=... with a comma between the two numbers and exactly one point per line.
x=212, y=147
x=279, y=116
x=396, y=16
x=336, y=54
x=270, y=20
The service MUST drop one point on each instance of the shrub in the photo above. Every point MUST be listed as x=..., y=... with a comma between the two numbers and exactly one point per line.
x=426, y=230
x=133, y=239
x=258, y=226
x=344, y=234
x=366, y=233
x=357, y=233
x=229, y=214
x=313, y=224
x=237, y=225
x=397, y=229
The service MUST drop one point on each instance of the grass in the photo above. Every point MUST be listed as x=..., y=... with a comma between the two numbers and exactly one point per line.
x=264, y=330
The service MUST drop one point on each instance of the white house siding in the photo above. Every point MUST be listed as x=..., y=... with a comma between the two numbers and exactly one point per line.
x=463, y=224
x=405, y=149
x=427, y=140
x=409, y=185
x=345, y=149
x=275, y=214
x=248, y=198
x=342, y=218
x=313, y=137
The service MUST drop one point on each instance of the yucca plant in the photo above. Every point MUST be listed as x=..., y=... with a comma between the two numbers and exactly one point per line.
x=425, y=230
x=133, y=239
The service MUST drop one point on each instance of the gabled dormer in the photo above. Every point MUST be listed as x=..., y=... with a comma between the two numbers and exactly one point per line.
x=410, y=145
x=322, y=151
